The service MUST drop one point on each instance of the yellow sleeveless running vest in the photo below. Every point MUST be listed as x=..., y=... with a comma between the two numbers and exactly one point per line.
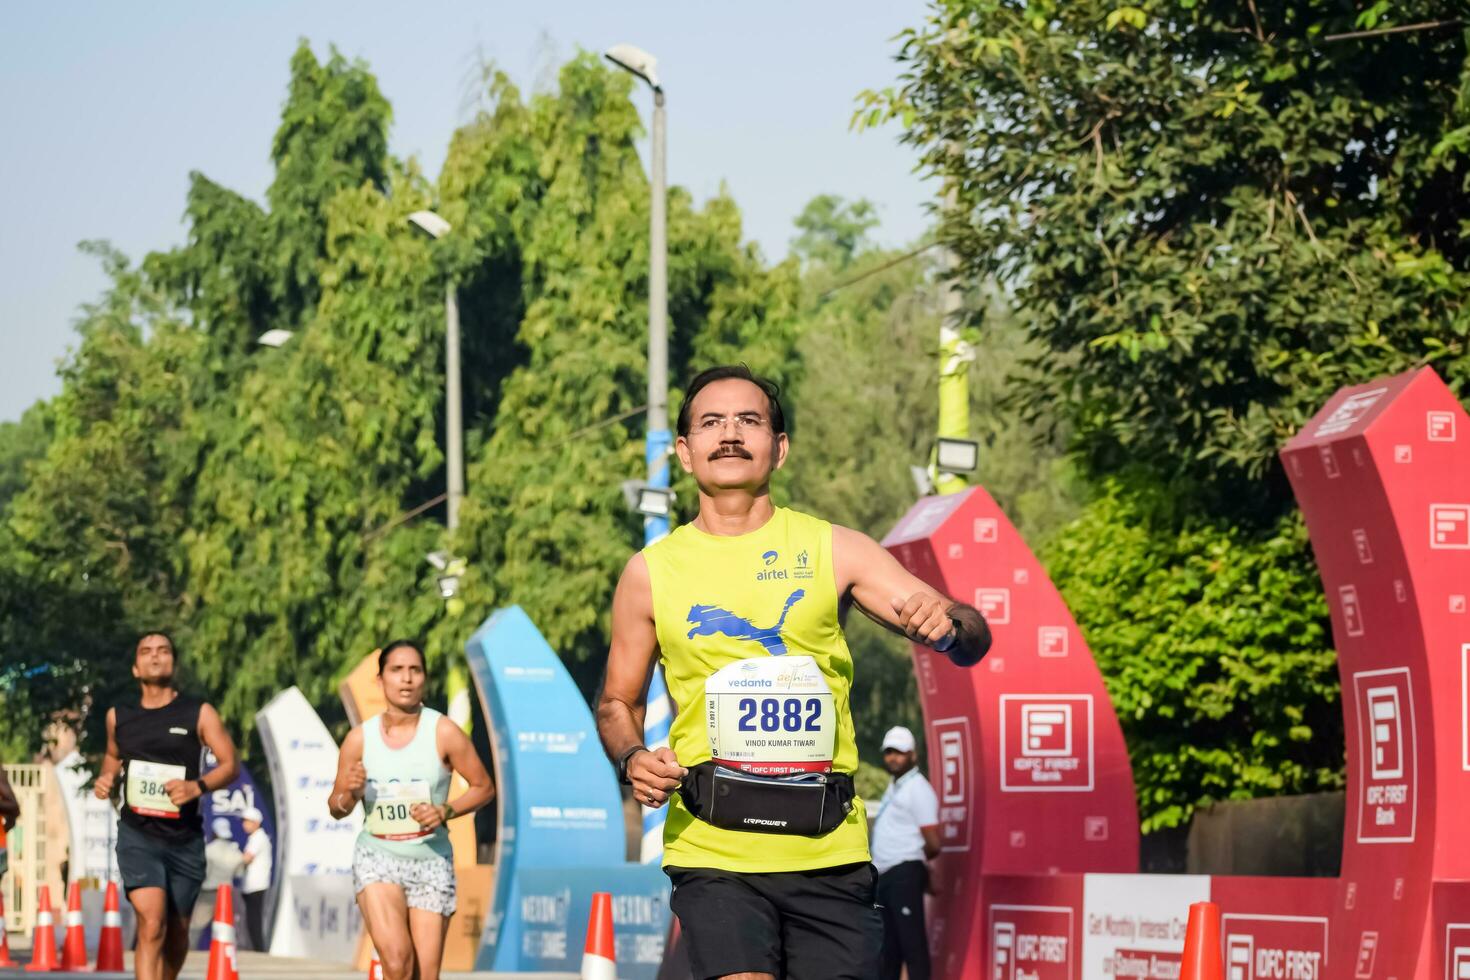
x=750, y=578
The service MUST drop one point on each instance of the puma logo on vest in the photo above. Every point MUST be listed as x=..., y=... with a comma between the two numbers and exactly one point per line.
x=712, y=620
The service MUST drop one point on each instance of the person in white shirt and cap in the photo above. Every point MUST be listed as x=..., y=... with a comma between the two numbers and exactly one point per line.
x=257, y=877
x=905, y=837
x=222, y=861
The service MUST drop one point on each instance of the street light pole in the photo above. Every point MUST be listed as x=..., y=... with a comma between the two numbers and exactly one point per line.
x=955, y=357
x=453, y=410
x=458, y=683
x=659, y=439
x=436, y=227
x=658, y=713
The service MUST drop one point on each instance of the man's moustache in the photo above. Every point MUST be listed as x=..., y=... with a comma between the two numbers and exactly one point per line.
x=724, y=451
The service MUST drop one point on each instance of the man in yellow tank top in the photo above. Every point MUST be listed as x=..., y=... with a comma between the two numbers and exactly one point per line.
x=765, y=842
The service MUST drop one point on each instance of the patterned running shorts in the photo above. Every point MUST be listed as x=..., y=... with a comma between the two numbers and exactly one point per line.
x=427, y=882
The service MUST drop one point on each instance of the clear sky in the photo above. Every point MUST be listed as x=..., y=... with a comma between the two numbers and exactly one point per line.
x=106, y=107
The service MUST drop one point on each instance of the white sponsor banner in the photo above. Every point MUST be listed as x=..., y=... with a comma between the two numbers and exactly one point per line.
x=325, y=922
x=310, y=844
x=1133, y=925
x=93, y=823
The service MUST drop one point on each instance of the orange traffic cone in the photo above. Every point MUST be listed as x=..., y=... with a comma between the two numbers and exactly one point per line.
x=5, y=960
x=74, y=944
x=109, y=945
x=375, y=968
x=599, y=956
x=222, y=938
x=43, y=946
x=1202, y=944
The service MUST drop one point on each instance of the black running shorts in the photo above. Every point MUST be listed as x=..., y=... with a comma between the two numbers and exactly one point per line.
x=175, y=866
x=796, y=925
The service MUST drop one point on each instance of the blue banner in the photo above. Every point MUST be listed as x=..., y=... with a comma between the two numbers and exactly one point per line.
x=559, y=803
x=233, y=800
x=230, y=802
x=556, y=903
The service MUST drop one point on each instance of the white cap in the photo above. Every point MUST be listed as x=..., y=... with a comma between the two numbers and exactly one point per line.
x=221, y=828
x=252, y=814
x=899, y=738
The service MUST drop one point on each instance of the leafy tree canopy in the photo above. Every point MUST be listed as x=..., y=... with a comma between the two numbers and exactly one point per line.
x=1212, y=214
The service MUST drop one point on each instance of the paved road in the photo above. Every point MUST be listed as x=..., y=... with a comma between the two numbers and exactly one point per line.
x=254, y=965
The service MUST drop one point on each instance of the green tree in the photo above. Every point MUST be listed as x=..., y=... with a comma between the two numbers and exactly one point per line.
x=545, y=524
x=1210, y=219
x=89, y=548
x=21, y=443
x=1214, y=646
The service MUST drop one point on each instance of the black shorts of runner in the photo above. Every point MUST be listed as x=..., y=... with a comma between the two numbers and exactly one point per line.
x=795, y=925
x=175, y=866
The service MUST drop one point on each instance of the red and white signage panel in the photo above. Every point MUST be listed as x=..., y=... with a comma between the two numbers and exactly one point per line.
x=950, y=773
x=1388, y=790
x=1274, y=947
x=1032, y=942
x=1046, y=743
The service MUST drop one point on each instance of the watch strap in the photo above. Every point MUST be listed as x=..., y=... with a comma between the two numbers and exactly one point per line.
x=623, y=762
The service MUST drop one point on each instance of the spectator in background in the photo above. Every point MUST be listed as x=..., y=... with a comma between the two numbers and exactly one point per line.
x=257, y=882
x=905, y=836
x=222, y=861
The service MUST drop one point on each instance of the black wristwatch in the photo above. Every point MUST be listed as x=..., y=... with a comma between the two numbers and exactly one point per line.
x=202, y=788
x=623, y=763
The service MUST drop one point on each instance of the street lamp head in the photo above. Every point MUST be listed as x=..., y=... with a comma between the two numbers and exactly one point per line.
x=429, y=223
x=274, y=338
x=637, y=61
x=957, y=455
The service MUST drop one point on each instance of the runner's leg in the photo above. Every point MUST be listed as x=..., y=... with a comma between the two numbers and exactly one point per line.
x=428, y=930
x=150, y=905
x=831, y=928
x=175, y=945
x=385, y=910
x=730, y=929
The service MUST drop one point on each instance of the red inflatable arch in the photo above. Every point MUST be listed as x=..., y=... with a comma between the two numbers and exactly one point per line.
x=1033, y=777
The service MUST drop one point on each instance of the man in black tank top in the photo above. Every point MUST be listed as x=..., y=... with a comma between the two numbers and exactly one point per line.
x=156, y=744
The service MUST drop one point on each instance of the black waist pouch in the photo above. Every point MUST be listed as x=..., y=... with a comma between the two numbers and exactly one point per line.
x=808, y=804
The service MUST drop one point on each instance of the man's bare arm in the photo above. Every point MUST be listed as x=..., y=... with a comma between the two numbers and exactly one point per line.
x=894, y=597
x=932, y=844
x=213, y=734
x=111, y=760
x=620, y=709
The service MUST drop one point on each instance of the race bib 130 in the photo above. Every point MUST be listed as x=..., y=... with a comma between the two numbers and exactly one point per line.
x=391, y=815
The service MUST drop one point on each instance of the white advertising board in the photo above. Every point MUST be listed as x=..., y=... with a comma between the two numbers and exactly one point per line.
x=93, y=823
x=1133, y=925
x=325, y=922
x=310, y=844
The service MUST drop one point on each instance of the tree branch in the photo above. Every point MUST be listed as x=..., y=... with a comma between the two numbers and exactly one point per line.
x=1427, y=25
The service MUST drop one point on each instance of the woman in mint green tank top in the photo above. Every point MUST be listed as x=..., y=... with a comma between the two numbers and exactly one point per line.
x=398, y=764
